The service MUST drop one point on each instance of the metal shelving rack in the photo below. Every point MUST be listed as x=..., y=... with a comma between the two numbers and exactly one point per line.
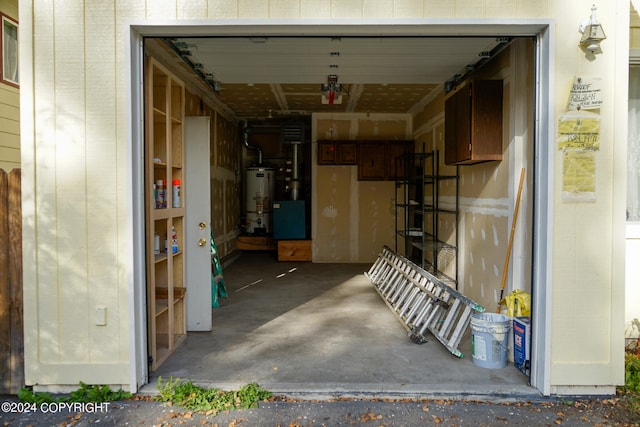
x=424, y=232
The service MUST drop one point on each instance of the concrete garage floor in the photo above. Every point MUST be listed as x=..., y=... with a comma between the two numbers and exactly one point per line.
x=321, y=330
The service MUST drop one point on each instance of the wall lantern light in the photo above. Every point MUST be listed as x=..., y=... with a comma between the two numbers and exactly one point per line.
x=592, y=32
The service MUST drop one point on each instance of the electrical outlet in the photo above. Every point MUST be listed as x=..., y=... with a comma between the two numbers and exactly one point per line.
x=100, y=315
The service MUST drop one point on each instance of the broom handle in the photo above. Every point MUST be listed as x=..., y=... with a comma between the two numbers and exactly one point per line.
x=513, y=229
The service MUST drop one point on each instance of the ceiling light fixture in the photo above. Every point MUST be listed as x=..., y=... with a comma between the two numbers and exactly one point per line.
x=331, y=91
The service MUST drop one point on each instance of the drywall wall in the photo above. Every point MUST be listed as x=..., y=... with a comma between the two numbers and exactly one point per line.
x=352, y=220
x=486, y=190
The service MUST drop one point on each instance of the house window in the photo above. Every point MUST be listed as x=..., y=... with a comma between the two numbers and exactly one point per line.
x=9, y=46
x=633, y=149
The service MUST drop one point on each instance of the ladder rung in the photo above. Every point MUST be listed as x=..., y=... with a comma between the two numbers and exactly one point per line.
x=463, y=321
x=406, y=306
x=422, y=297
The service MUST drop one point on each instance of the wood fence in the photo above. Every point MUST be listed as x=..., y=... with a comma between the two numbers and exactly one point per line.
x=11, y=311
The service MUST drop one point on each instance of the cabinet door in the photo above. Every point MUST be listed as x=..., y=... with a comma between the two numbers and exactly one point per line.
x=372, y=161
x=347, y=153
x=473, y=123
x=464, y=122
x=337, y=153
x=395, y=163
x=486, y=118
x=326, y=153
x=450, y=131
x=457, y=127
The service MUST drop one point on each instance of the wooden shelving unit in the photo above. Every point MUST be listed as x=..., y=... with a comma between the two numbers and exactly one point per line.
x=164, y=161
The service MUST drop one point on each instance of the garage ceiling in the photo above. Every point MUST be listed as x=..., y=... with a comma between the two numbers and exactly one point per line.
x=261, y=77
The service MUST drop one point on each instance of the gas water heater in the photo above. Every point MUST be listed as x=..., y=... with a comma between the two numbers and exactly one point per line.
x=260, y=191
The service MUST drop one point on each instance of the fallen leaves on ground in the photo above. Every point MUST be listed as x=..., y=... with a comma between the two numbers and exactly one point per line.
x=369, y=417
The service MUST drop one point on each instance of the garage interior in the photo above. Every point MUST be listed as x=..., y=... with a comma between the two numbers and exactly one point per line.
x=299, y=315
x=319, y=331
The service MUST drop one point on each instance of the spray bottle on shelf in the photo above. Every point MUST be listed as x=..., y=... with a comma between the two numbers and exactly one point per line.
x=174, y=240
x=160, y=194
x=176, y=194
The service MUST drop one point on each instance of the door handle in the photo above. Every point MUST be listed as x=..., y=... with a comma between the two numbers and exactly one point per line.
x=202, y=225
x=202, y=242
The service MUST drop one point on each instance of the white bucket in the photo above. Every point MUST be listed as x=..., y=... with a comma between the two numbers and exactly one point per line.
x=490, y=339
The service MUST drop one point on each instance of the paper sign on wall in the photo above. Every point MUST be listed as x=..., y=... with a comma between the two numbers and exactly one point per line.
x=579, y=176
x=586, y=94
x=580, y=130
x=578, y=138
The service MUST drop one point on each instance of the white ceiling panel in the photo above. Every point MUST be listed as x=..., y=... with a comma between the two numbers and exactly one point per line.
x=259, y=77
x=407, y=60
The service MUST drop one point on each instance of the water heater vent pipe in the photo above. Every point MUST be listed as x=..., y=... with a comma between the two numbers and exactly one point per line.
x=251, y=147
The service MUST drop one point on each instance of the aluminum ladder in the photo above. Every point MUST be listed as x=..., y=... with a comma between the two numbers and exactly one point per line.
x=421, y=301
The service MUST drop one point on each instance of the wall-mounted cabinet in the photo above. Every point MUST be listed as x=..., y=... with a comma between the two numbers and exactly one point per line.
x=373, y=158
x=372, y=161
x=337, y=153
x=473, y=123
x=396, y=170
x=376, y=159
x=164, y=166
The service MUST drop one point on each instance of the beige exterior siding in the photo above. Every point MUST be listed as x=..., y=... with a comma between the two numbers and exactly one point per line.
x=587, y=285
x=9, y=127
x=78, y=148
x=77, y=183
x=632, y=272
x=634, y=28
x=9, y=109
